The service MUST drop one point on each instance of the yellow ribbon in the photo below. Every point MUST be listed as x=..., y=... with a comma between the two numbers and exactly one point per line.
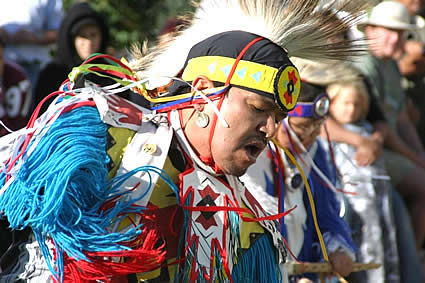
x=310, y=199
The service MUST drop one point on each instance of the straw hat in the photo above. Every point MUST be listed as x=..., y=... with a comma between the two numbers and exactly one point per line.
x=388, y=14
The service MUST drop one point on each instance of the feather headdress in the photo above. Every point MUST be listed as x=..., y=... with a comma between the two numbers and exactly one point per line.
x=325, y=73
x=305, y=28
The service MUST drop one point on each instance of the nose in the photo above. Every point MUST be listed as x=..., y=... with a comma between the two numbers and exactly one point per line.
x=269, y=127
x=315, y=132
x=396, y=36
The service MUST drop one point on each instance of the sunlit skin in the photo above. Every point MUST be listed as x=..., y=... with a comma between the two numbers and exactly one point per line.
x=88, y=40
x=348, y=106
x=385, y=43
x=252, y=122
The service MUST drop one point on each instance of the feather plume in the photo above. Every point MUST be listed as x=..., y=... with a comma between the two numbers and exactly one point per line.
x=305, y=28
x=325, y=73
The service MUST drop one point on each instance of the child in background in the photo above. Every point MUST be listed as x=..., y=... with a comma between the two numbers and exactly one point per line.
x=369, y=210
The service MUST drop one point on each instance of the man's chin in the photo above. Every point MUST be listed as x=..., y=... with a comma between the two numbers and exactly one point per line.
x=235, y=171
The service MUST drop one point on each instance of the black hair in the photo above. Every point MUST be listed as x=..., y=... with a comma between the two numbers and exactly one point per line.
x=184, y=88
x=310, y=91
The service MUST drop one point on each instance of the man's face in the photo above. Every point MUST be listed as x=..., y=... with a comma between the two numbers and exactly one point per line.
x=252, y=122
x=414, y=6
x=385, y=42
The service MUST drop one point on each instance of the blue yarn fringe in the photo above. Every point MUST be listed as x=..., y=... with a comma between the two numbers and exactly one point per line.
x=258, y=264
x=61, y=187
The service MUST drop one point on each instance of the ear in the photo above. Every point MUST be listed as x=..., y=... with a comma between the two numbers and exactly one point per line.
x=201, y=83
x=198, y=107
x=368, y=29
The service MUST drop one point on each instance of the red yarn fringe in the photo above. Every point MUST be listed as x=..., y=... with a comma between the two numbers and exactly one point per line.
x=115, y=265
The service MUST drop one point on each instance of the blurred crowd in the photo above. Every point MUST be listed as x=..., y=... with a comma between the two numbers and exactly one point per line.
x=40, y=44
x=375, y=129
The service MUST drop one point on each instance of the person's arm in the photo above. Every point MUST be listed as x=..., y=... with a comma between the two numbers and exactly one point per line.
x=412, y=63
x=338, y=133
x=371, y=148
x=368, y=148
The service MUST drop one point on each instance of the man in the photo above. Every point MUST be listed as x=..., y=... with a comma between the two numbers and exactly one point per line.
x=277, y=184
x=412, y=65
x=405, y=161
x=163, y=183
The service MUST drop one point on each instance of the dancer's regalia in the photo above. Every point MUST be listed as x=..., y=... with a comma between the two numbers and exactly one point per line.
x=110, y=188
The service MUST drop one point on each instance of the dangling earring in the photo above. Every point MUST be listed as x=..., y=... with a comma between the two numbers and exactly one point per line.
x=202, y=120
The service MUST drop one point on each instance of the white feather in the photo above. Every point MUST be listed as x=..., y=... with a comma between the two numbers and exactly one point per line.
x=304, y=28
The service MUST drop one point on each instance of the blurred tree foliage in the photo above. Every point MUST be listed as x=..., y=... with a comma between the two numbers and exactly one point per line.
x=135, y=20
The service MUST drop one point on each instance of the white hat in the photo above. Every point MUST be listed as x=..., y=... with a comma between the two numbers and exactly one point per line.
x=389, y=14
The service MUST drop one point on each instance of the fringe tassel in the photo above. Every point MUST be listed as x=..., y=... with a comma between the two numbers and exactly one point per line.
x=60, y=192
x=106, y=265
x=46, y=193
x=258, y=264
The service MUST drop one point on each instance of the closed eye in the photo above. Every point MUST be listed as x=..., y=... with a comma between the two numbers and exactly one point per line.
x=259, y=110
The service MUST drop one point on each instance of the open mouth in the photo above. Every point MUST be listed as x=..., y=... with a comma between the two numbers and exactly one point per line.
x=254, y=149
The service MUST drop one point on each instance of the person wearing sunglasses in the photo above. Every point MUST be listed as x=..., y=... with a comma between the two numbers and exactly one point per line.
x=316, y=202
